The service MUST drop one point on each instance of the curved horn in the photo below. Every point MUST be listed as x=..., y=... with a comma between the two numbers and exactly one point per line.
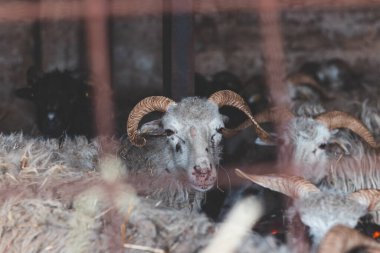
x=338, y=119
x=276, y=115
x=230, y=98
x=292, y=186
x=145, y=106
x=232, y=132
x=368, y=198
x=301, y=79
x=342, y=239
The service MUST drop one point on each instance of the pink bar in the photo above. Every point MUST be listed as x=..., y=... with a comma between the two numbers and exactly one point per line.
x=96, y=29
x=72, y=9
x=272, y=48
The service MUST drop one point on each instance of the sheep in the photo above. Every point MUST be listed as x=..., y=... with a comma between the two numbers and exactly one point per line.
x=319, y=210
x=62, y=102
x=306, y=142
x=309, y=147
x=181, y=151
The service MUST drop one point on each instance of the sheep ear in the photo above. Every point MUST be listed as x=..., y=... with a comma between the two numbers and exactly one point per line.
x=153, y=128
x=337, y=147
x=25, y=93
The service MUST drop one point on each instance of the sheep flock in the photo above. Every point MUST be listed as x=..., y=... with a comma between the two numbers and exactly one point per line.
x=146, y=192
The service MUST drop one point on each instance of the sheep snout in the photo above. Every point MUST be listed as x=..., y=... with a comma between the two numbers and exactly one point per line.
x=203, y=178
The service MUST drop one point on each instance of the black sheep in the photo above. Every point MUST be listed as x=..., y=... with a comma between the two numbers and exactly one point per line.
x=62, y=101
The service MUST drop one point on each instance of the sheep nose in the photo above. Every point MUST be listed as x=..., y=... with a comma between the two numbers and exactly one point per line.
x=51, y=116
x=202, y=167
x=202, y=170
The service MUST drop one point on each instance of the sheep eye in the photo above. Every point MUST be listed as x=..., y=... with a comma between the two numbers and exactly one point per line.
x=220, y=130
x=322, y=146
x=169, y=132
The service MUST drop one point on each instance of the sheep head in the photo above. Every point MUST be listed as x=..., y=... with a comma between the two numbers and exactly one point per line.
x=304, y=143
x=60, y=99
x=193, y=129
x=319, y=210
x=307, y=142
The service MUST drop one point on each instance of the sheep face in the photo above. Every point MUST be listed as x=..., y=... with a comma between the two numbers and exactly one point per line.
x=193, y=135
x=183, y=147
x=54, y=104
x=305, y=141
x=60, y=100
x=322, y=211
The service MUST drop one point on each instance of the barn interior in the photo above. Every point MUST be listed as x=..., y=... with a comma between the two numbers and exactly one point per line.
x=129, y=50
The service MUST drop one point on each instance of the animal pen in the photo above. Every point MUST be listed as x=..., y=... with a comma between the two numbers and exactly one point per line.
x=76, y=194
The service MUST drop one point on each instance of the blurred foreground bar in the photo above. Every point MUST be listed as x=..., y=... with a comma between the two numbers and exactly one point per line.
x=99, y=64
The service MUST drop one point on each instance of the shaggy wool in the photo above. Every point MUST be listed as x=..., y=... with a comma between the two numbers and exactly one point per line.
x=73, y=198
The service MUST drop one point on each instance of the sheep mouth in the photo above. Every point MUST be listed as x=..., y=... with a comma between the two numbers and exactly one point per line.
x=203, y=184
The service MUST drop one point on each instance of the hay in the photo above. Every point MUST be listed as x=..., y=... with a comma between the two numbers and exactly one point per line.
x=72, y=199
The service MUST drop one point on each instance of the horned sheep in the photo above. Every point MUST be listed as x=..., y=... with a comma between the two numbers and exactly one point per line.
x=311, y=148
x=178, y=155
x=307, y=143
x=319, y=210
